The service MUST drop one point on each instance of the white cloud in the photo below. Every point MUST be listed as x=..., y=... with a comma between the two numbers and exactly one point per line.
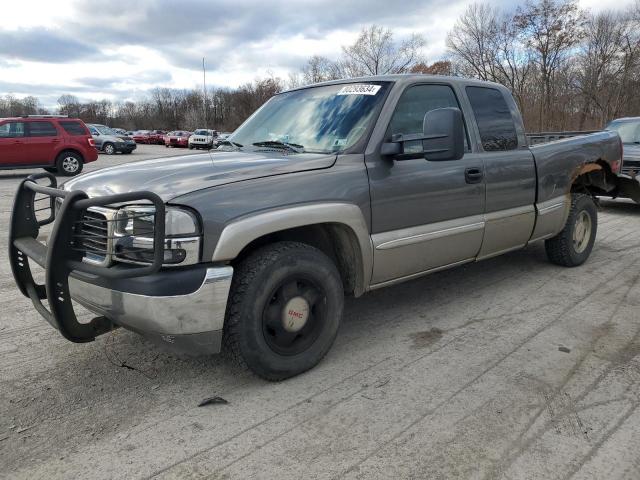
x=120, y=49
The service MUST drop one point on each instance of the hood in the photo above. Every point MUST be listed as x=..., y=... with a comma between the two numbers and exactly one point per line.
x=631, y=151
x=171, y=177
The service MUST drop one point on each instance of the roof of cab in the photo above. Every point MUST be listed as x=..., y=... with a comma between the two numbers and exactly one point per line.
x=404, y=78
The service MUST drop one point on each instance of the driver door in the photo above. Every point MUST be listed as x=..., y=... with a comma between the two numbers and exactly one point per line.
x=425, y=214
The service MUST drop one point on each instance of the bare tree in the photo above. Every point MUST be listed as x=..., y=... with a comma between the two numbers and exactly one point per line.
x=441, y=67
x=551, y=30
x=375, y=52
x=320, y=69
x=473, y=41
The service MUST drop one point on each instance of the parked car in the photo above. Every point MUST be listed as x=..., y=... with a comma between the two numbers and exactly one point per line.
x=202, y=138
x=142, y=136
x=109, y=141
x=629, y=131
x=222, y=137
x=55, y=143
x=157, y=137
x=177, y=138
x=338, y=188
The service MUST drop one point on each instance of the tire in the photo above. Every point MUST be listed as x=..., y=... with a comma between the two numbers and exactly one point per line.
x=69, y=164
x=190, y=147
x=279, y=278
x=109, y=148
x=573, y=245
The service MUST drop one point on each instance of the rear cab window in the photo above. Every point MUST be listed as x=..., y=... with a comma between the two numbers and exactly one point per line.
x=42, y=129
x=413, y=105
x=12, y=130
x=493, y=117
x=73, y=128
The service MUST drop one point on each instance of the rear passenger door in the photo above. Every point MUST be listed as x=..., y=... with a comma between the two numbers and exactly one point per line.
x=41, y=143
x=11, y=143
x=510, y=173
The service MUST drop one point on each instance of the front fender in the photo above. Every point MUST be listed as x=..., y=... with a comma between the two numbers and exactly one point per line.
x=240, y=233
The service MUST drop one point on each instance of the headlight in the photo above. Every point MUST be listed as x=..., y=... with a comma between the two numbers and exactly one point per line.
x=135, y=229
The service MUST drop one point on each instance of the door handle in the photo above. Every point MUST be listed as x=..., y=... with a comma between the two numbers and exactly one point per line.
x=473, y=175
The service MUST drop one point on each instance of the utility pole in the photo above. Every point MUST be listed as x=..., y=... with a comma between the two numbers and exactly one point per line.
x=204, y=93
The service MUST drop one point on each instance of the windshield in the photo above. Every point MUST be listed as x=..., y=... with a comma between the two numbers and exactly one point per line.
x=202, y=132
x=629, y=131
x=104, y=130
x=323, y=119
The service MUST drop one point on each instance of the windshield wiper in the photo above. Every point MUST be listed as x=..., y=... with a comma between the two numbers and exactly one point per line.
x=278, y=144
x=233, y=144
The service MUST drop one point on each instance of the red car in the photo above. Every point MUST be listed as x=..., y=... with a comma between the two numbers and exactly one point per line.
x=179, y=138
x=142, y=136
x=55, y=143
x=157, y=136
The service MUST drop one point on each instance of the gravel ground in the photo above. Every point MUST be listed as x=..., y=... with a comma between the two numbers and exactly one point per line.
x=510, y=368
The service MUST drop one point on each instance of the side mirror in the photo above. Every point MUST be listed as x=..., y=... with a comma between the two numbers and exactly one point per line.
x=443, y=134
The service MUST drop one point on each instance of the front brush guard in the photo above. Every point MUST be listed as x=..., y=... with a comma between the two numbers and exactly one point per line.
x=61, y=256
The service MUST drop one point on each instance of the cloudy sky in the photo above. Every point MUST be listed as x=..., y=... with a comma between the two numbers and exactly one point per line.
x=120, y=49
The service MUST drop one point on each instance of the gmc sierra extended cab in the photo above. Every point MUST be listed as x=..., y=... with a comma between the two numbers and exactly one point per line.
x=329, y=190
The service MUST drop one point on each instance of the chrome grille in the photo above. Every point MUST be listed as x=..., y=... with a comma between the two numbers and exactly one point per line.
x=94, y=235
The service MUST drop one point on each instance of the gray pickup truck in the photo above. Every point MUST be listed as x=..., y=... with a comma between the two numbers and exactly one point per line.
x=329, y=190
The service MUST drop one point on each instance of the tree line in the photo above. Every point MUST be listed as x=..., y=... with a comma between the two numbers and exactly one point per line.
x=569, y=69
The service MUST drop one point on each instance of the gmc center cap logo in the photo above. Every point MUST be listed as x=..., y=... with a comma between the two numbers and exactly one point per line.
x=295, y=314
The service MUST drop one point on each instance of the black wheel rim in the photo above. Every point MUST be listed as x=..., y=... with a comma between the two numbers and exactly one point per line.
x=287, y=328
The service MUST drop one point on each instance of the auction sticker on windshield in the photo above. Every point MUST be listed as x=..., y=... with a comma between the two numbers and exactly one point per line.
x=359, y=89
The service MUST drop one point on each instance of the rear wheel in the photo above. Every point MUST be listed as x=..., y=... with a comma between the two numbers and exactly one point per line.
x=69, y=164
x=284, y=310
x=573, y=245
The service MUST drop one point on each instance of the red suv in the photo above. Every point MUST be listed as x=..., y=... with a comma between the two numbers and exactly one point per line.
x=57, y=144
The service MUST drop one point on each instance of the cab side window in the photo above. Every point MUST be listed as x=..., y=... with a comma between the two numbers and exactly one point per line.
x=495, y=123
x=12, y=130
x=413, y=105
x=42, y=129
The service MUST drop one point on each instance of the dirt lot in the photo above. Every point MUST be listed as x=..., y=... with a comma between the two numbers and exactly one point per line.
x=511, y=368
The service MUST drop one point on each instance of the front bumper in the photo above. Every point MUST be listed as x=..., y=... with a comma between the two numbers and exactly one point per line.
x=188, y=322
x=126, y=147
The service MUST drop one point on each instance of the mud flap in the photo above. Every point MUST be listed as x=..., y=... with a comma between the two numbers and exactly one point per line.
x=628, y=187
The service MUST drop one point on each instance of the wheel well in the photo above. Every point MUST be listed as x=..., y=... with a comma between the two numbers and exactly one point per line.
x=595, y=179
x=335, y=240
x=72, y=150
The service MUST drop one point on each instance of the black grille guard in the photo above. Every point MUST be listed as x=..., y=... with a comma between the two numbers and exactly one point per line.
x=60, y=258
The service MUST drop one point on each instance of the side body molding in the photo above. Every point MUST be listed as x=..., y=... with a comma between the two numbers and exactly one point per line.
x=243, y=231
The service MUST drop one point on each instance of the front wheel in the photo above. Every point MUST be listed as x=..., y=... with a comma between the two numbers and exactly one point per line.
x=573, y=245
x=109, y=149
x=284, y=310
x=69, y=164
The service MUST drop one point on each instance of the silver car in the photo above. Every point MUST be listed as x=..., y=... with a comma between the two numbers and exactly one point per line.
x=109, y=141
x=202, y=138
